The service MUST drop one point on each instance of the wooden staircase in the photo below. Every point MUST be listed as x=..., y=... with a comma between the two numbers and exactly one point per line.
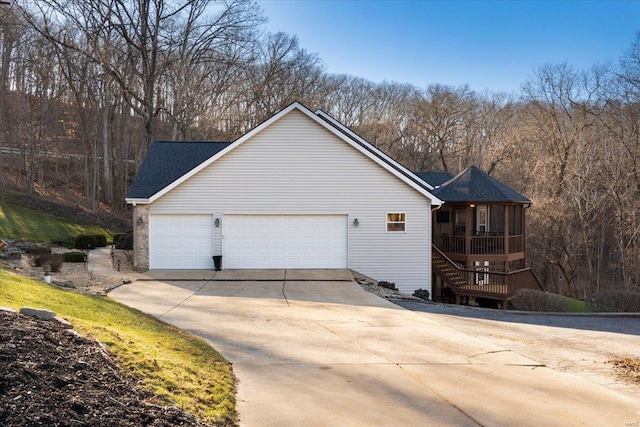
x=465, y=282
x=448, y=271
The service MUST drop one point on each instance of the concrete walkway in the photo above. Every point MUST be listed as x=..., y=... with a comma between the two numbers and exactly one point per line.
x=325, y=353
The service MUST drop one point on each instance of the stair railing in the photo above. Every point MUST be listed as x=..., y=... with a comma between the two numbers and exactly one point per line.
x=480, y=281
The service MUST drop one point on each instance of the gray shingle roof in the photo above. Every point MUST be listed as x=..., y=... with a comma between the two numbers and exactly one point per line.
x=435, y=178
x=166, y=161
x=472, y=185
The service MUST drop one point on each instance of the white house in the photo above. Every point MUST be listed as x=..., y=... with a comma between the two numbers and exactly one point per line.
x=299, y=191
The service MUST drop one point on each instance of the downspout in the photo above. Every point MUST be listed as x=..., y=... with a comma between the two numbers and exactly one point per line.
x=433, y=210
x=524, y=232
x=135, y=237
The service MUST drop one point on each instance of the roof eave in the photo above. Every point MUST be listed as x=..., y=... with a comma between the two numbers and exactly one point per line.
x=337, y=129
x=490, y=202
x=136, y=201
x=222, y=152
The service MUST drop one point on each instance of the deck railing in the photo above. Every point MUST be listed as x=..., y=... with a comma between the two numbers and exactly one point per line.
x=480, y=244
x=480, y=281
x=487, y=245
x=516, y=243
x=451, y=244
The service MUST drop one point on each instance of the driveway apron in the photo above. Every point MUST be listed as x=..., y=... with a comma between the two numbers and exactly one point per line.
x=311, y=352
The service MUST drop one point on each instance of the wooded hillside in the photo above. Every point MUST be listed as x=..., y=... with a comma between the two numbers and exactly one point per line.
x=86, y=85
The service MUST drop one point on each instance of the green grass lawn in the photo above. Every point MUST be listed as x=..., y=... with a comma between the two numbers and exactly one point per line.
x=27, y=225
x=175, y=366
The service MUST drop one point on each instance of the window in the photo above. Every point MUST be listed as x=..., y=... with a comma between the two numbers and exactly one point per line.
x=496, y=220
x=460, y=219
x=481, y=277
x=396, y=221
x=515, y=220
x=481, y=219
x=443, y=217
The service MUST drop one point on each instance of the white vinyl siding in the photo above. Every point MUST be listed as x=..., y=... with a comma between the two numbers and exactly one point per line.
x=297, y=167
x=285, y=241
x=180, y=241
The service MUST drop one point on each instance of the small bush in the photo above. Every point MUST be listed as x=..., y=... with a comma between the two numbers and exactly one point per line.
x=50, y=262
x=37, y=250
x=117, y=237
x=422, y=294
x=125, y=241
x=67, y=243
x=616, y=301
x=533, y=300
x=387, y=285
x=101, y=240
x=85, y=241
x=74, y=257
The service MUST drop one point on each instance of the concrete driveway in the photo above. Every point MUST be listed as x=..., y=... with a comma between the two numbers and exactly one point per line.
x=312, y=348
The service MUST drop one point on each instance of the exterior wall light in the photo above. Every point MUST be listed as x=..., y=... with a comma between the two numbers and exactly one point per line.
x=216, y=222
x=356, y=222
x=140, y=220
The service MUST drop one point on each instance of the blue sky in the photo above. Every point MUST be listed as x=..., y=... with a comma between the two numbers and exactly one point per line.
x=491, y=45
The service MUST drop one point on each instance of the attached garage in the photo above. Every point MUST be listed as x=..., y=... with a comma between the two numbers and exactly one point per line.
x=298, y=191
x=180, y=242
x=285, y=241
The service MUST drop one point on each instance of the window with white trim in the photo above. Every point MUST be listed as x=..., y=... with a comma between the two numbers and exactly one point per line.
x=396, y=221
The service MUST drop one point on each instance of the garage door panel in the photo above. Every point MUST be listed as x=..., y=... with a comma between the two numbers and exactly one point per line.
x=180, y=241
x=285, y=241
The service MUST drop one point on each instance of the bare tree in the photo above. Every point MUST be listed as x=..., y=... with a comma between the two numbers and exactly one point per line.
x=144, y=35
x=282, y=73
x=564, y=107
x=440, y=117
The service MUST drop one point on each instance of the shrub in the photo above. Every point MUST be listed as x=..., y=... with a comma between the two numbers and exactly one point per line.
x=52, y=261
x=37, y=250
x=101, y=240
x=533, y=300
x=117, y=237
x=74, y=257
x=422, y=294
x=125, y=241
x=85, y=241
x=67, y=243
x=616, y=301
x=387, y=285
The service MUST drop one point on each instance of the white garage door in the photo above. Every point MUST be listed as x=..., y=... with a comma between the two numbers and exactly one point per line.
x=285, y=241
x=180, y=242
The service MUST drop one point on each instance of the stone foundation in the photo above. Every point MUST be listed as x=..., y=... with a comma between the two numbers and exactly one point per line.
x=141, y=237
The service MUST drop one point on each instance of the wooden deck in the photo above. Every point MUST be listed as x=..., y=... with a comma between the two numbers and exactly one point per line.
x=481, y=282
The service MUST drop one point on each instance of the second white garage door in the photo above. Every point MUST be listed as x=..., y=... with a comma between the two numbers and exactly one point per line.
x=285, y=241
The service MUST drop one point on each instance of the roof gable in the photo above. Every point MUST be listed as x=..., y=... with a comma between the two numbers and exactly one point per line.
x=320, y=118
x=472, y=185
x=167, y=161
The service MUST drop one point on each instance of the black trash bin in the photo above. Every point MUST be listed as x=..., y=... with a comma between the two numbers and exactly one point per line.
x=217, y=262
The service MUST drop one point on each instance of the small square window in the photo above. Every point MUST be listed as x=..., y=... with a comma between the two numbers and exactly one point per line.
x=396, y=221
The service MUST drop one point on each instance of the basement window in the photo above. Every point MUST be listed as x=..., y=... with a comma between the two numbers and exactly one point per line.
x=396, y=221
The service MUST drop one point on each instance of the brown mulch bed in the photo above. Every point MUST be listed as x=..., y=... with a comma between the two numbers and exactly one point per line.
x=51, y=376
